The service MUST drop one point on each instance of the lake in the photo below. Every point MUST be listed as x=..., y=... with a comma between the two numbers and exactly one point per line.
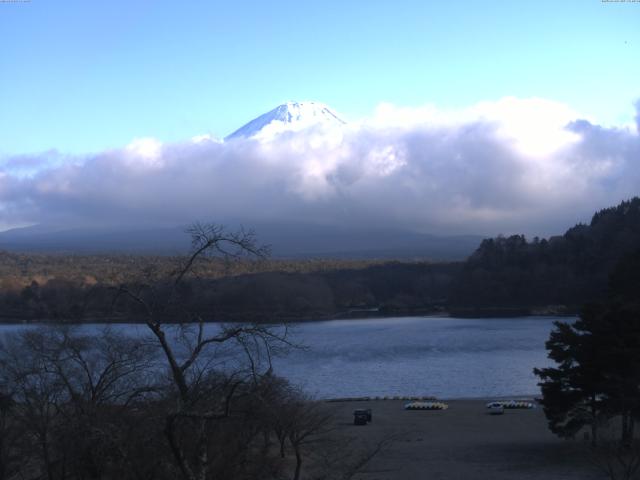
x=440, y=356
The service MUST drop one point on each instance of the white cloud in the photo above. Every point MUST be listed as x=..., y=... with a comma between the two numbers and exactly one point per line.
x=145, y=152
x=514, y=165
x=204, y=138
x=534, y=125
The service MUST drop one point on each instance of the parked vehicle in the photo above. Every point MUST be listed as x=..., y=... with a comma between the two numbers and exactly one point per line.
x=362, y=416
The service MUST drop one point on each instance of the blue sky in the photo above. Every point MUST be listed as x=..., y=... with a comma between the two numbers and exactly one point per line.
x=81, y=76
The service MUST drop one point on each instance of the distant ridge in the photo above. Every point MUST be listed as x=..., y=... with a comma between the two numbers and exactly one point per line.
x=290, y=116
x=288, y=240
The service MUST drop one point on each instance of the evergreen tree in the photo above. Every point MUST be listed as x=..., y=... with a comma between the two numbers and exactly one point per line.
x=573, y=391
x=597, y=376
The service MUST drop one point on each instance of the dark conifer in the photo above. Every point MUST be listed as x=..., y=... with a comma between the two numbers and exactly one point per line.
x=597, y=377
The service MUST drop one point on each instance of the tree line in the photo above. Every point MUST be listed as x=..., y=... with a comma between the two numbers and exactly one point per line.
x=564, y=272
x=270, y=296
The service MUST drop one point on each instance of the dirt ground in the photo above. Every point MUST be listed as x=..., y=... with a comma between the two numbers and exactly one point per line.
x=464, y=442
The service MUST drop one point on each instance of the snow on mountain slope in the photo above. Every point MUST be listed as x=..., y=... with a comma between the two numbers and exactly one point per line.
x=291, y=116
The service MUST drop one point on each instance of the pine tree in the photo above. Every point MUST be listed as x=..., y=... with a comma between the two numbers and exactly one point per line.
x=573, y=391
x=597, y=376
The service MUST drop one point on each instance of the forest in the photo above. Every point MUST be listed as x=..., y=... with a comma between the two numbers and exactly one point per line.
x=504, y=276
x=556, y=275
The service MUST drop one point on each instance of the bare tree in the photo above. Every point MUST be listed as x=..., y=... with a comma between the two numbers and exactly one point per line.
x=69, y=391
x=9, y=435
x=200, y=399
x=38, y=395
x=308, y=421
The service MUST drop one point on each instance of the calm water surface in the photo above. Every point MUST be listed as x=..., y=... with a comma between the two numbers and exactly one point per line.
x=441, y=356
x=445, y=357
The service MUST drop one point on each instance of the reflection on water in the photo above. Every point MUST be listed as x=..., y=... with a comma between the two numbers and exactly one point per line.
x=445, y=357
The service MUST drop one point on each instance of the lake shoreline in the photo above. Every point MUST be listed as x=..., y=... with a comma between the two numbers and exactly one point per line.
x=529, y=397
x=353, y=315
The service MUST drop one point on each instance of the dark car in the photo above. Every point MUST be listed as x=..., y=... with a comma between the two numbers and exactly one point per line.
x=361, y=416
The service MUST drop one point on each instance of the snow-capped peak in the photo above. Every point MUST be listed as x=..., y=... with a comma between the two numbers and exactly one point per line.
x=290, y=116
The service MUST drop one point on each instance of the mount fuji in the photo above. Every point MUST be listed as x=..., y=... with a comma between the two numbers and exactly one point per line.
x=290, y=239
x=288, y=117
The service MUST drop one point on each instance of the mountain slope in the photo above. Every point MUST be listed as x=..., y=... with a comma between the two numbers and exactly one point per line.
x=288, y=240
x=291, y=116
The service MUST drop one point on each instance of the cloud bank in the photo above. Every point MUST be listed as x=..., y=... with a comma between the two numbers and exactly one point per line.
x=514, y=165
